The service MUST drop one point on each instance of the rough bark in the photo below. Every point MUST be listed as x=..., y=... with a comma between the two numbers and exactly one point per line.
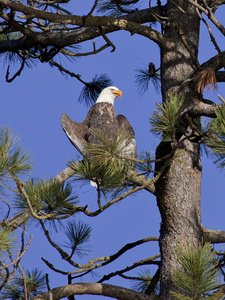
x=17, y=220
x=179, y=189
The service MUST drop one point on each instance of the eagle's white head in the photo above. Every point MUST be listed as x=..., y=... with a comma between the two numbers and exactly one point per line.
x=109, y=94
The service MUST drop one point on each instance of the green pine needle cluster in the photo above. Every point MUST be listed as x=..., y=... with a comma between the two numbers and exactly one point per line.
x=143, y=79
x=115, y=8
x=92, y=89
x=215, y=138
x=48, y=197
x=199, y=275
x=144, y=166
x=35, y=284
x=142, y=283
x=13, y=159
x=78, y=235
x=7, y=240
x=103, y=163
x=165, y=121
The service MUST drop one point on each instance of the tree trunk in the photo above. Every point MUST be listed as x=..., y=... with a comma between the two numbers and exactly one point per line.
x=179, y=188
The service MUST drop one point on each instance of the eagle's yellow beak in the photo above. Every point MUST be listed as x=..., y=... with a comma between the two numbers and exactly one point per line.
x=118, y=93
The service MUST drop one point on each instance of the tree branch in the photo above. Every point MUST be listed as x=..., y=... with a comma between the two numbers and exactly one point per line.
x=202, y=108
x=216, y=62
x=107, y=290
x=213, y=236
x=64, y=175
x=131, y=23
x=98, y=262
x=141, y=180
x=206, y=10
x=220, y=76
x=146, y=261
x=17, y=220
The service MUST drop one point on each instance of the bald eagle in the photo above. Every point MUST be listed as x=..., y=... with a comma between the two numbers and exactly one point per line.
x=102, y=118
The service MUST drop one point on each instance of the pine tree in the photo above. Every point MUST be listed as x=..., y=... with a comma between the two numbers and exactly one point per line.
x=47, y=31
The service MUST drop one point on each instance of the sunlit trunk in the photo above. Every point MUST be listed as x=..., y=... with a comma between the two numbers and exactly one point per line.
x=179, y=189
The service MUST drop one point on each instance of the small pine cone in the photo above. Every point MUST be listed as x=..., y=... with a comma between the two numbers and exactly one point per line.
x=151, y=68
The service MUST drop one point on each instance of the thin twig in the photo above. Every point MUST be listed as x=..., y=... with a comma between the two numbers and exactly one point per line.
x=102, y=261
x=178, y=6
x=24, y=282
x=95, y=51
x=107, y=39
x=16, y=74
x=221, y=98
x=93, y=8
x=47, y=282
x=62, y=69
x=194, y=128
x=146, y=261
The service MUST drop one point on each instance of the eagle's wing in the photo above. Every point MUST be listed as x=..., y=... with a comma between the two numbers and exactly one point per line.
x=76, y=132
x=129, y=148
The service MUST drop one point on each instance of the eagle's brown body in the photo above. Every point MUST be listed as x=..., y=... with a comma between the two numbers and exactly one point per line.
x=100, y=119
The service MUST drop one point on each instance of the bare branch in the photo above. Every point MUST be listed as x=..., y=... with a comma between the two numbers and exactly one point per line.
x=95, y=51
x=24, y=283
x=141, y=180
x=215, y=62
x=221, y=98
x=107, y=290
x=63, y=254
x=202, y=108
x=16, y=74
x=143, y=262
x=211, y=34
x=107, y=39
x=213, y=236
x=6, y=278
x=91, y=265
x=206, y=10
x=131, y=23
x=17, y=220
x=8, y=212
x=64, y=175
x=62, y=69
x=93, y=8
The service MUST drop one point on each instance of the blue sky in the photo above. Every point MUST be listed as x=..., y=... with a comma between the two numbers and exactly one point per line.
x=32, y=105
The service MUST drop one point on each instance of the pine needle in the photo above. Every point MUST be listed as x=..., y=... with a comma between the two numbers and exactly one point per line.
x=103, y=163
x=92, y=89
x=215, y=138
x=165, y=120
x=199, y=274
x=145, y=76
x=35, y=284
x=78, y=235
x=116, y=8
x=7, y=241
x=48, y=197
